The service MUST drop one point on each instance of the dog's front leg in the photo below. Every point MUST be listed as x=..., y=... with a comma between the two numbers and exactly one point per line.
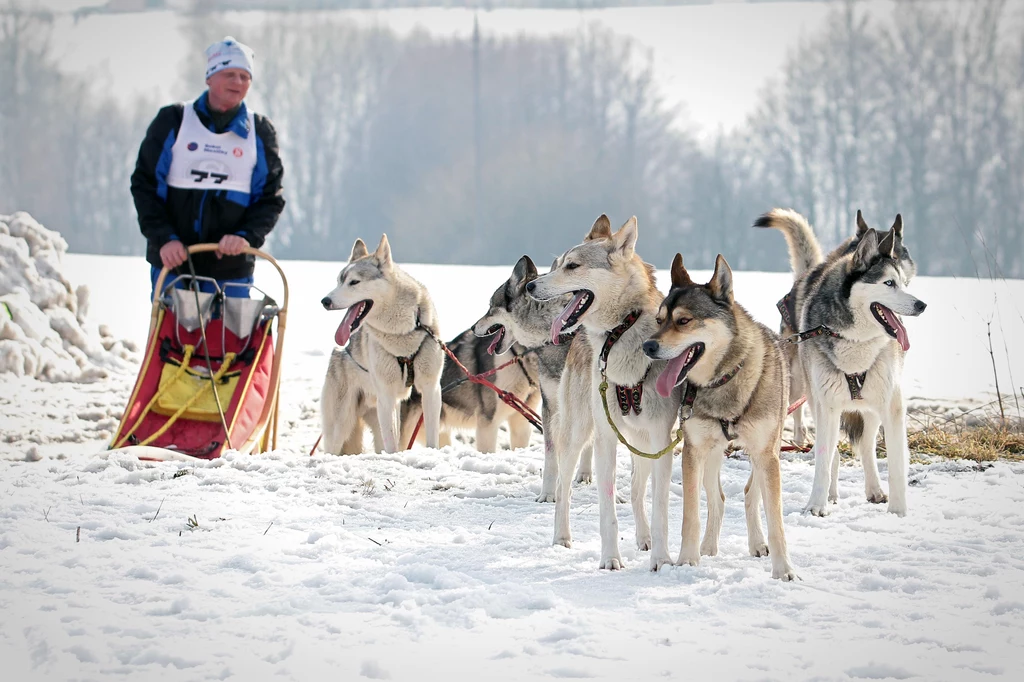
x=756, y=543
x=604, y=473
x=637, y=492
x=549, y=477
x=864, y=445
x=897, y=452
x=659, y=505
x=693, y=473
x=387, y=417
x=432, y=412
x=716, y=503
x=826, y=426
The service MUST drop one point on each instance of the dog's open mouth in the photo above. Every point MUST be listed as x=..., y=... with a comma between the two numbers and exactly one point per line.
x=499, y=333
x=891, y=324
x=676, y=369
x=353, y=318
x=579, y=304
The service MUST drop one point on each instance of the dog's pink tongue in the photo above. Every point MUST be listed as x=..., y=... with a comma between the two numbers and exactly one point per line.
x=668, y=377
x=497, y=339
x=901, y=331
x=345, y=328
x=559, y=323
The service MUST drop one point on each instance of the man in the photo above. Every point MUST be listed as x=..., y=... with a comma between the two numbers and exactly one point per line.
x=209, y=171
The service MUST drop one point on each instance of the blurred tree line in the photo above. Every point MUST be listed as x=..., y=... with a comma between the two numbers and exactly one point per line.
x=479, y=150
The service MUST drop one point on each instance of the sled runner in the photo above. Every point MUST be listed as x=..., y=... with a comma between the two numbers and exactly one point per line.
x=211, y=371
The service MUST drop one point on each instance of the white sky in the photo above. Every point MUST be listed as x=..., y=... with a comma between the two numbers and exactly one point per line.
x=714, y=59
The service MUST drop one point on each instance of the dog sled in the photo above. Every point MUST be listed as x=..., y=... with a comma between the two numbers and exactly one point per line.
x=211, y=372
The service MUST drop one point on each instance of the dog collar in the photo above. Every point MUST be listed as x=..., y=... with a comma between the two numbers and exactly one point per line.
x=691, y=396
x=615, y=334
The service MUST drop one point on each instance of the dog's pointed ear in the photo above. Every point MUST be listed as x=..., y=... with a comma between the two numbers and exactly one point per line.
x=720, y=285
x=680, y=277
x=862, y=225
x=897, y=227
x=383, y=252
x=867, y=251
x=887, y=247
x=625, y=239
x=358, y=250
x=523, y=273
x=602, y=229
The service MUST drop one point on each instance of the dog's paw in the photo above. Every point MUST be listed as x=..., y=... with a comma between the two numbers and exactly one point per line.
x=897, y=508
x=709, y=548
x=690, y=558
x=546, y=497
x=785, y=573
x=877, y=496
x=833, y=498
x=658, y=562
x=562, y=541
x=611, y=563
x=817, y=509
x=759, y=549
x=584, y=477
x=643, y=541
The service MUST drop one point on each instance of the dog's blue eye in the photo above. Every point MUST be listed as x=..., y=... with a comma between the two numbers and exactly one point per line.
x=682, y=321
x=571, y=266
x=890, y=283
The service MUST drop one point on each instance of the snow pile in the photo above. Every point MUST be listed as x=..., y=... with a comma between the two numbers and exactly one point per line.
x=43, y=328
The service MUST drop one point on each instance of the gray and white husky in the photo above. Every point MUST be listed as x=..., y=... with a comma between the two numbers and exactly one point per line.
x=394, y=352
x=804, y=256
x=470, y=406
x=516, y=320
x=615, y=299
x=735, y=385
x=848, y=307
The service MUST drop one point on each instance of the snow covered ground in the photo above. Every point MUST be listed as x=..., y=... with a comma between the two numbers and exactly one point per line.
x=429, y=565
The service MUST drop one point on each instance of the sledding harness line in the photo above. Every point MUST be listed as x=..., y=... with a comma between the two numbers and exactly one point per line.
x=855, y=382
x=611, y=338
x=691, y=396
x=507, y=397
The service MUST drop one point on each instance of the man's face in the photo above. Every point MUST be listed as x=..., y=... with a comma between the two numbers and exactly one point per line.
x=228, y=88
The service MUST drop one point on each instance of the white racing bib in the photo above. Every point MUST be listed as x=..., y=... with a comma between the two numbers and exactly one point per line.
x=201, y=159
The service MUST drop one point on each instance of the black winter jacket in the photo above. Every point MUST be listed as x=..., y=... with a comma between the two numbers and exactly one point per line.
x=196, y=216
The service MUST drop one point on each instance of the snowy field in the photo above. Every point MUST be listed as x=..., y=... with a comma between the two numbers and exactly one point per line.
x=437, y=565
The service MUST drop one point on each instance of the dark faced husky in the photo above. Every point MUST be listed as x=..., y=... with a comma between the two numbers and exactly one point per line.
x=615, y=299
x=734, y=395
x=395, y=353
x=805, y=254
x=847, y=307
x=466, y=405
x=517, y=320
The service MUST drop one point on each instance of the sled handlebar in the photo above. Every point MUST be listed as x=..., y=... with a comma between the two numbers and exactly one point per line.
x=203, y=248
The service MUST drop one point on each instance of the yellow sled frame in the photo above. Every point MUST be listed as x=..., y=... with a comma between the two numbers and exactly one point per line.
x=264, y=434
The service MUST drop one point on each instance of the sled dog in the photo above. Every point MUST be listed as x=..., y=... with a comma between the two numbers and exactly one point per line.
x=735, y=383
x=467, y=405
x=392, y=353
x=845, y=311
x=615, y=299
x=516, y=320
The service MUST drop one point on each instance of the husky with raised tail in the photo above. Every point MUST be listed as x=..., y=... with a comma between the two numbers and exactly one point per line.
x=846, y=314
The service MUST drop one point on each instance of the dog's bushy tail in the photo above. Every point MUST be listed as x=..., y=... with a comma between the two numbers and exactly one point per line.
x=804, y=249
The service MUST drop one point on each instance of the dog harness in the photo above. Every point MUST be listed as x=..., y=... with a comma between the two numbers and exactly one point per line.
x=628, y=397
x=728, y=426
x=855, y=382
x=632, y=399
